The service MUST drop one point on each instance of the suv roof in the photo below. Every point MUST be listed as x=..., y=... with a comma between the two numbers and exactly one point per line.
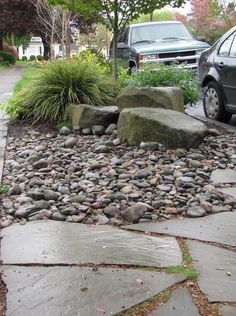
x=149, y=23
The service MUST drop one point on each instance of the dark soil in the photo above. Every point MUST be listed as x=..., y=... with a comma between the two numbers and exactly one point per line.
x=3, y=292
x=19, y=128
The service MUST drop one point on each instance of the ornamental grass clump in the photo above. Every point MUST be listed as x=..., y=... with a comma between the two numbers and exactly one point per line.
x=60, y=83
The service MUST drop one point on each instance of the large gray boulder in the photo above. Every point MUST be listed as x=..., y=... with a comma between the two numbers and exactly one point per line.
x=171, y=128
x=162, y=97
x=87, y=116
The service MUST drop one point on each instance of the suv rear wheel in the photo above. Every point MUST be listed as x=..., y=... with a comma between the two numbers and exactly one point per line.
x=213, y=104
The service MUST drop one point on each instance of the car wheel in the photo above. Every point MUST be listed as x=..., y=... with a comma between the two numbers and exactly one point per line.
x=131, y=70
x=213, y=104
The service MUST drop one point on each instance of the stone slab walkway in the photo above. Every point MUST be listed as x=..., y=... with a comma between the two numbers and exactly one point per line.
x=215, y=228
x=53, y=242
x=180, y=304
x=217, y=271
x=37, y=291
x=47, y=267
x=228, y=310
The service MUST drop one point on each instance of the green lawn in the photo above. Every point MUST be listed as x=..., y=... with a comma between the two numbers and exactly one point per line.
x=28, y=72
x=21, y=62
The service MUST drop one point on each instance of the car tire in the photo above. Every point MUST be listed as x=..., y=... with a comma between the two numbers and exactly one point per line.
x=131, y=70
x=213, y=104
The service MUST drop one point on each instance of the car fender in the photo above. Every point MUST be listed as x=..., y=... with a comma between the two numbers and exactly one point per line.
x=213, y=75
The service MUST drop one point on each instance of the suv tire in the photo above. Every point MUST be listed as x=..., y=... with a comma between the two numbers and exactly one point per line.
x=213, y=104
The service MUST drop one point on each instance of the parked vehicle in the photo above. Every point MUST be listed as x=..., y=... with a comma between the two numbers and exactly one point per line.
x=217, y=74
x=155, y=42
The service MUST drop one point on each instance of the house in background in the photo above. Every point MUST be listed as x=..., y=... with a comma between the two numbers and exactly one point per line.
x=36, y=48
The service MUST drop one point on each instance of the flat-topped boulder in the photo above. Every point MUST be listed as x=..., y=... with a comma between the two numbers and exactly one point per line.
x=171, y=128
x=155, y=97
x=85, y=115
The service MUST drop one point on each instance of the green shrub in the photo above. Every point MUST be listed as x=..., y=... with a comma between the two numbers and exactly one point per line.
x=93, y=55
x=32, y=57
x=40, y=57
x=164, y=76
x=60, y=83
x=24, y=58
x=7, y=58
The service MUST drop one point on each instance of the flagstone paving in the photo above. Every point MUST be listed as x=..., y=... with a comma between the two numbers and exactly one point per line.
x=180, y=304
x=228, y=191
x=47, y=291
x=217, y=271
x=228, y=310
x=223, y=176
x=52, y=242
x=215, y=228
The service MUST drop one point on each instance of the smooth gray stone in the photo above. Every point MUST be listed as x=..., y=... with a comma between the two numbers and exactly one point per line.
x=48, y=291
x=223, y=176
x=227, y=310
x=217, y=228
x=53, y=242
x=217, y=271
x=228, y=191
x=180, y=304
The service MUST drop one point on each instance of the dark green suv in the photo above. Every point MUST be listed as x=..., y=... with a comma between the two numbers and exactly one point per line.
x=155, y=42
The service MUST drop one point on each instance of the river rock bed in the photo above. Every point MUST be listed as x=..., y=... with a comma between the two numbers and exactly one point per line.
x=100, y=180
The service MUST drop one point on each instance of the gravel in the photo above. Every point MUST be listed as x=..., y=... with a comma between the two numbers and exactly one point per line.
x=97, y=179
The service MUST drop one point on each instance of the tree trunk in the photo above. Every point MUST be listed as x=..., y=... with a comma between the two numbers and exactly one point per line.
x=46, y=47
x=151, y=16
x=115, y=37
x=1, y=41
x=67, y=35
x=52, y=39
x=12, y=39
x=63, y=35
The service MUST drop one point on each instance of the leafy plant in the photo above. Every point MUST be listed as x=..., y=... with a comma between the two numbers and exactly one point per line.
x=3, y=188
x=7, y=58
x=50, y=91
x=39, y=57
x=164, y=76
x=191, y=273
x=32, y=57
x=24, y=58
x=64, y=123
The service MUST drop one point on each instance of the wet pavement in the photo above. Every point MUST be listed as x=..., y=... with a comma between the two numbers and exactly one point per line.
x=53, y=242
x=60, y=268
x=217, y=271
x=8, y=78
x=47, y=291
x=215, y=228
x=179, y=304
x=196, y=110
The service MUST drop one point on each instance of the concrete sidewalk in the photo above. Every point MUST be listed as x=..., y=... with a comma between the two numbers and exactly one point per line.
x=8, y=78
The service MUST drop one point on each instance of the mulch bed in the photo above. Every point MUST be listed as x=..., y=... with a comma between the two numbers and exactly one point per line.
x=19, y=128
x=3, y=292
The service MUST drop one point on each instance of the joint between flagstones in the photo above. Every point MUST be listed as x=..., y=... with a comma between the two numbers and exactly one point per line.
x=199, y=298
x=154, y=302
